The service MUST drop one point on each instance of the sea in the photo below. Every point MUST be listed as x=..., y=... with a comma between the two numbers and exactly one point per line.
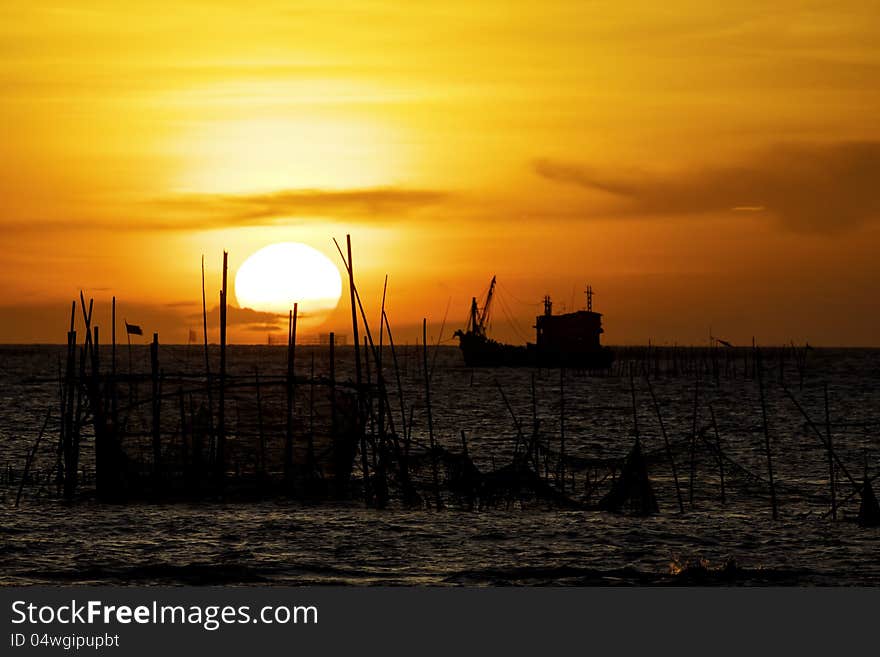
x=715, y=423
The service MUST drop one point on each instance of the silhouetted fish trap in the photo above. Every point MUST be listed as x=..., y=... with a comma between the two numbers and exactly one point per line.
x=180, y=436
x=210, y=431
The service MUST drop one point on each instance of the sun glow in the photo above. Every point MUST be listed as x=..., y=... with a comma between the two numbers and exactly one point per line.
x=279, y=275
x=268, y=153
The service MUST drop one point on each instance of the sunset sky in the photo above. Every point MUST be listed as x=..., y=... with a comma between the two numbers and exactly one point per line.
x=703, y=168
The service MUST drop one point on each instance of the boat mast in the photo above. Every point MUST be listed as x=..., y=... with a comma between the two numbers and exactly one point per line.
x=484, y=316
x=472, y=322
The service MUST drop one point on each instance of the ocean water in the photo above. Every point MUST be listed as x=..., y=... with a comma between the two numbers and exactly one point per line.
x=47, y=540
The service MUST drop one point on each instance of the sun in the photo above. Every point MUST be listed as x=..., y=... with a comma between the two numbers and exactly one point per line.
x=279, y=275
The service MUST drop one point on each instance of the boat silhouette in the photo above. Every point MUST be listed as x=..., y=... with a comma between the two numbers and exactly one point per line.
x=568, y=340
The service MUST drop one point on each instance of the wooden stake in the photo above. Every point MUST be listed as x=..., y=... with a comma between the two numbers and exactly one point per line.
x=830, y=456
x=759, y=370
x=113, y=339
x=186, y=463
x=333, y=380
x=156, y=407
x=291, y=373
x=221, y=411
x=534, y=446
x=67, y=423
x=561, y=466
x=693, y=471
x=310, y=446
x=333, y=425
x=262, y=435
x=857, y=487
x=404, y=459
x=30, y=457
x=720, y=454
x=520, y=438
x=365, y=471
x=668, y=447
x=208, y=386
x=114, y=394
x=438, y=503
x=632, y=389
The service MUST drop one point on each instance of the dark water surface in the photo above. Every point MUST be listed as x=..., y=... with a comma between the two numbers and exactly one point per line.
x=285, y=542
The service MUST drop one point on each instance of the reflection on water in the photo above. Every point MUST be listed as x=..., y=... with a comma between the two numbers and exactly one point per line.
x=46, y=541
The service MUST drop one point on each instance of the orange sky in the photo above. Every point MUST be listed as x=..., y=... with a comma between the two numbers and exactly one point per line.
x=702, y=167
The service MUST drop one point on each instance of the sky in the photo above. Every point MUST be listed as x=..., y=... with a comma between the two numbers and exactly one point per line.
x=706, y=169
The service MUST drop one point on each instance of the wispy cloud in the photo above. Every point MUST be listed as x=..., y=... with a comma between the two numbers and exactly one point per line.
x=187, y=211
x=244, y=318
x=180, y=212
x=815, y=188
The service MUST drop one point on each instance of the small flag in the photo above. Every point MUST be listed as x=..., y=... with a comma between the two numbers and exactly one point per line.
x=133, y=329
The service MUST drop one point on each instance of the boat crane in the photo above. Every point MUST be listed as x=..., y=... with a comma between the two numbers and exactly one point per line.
x=480, y=318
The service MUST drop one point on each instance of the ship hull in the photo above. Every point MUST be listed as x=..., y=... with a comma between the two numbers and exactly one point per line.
x=479, y=351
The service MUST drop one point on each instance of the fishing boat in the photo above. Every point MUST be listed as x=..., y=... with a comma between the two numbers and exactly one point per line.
x=566, y=340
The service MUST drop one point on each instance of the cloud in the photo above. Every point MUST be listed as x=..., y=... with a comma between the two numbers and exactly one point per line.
x=809, y=188
x=244, y=318
x=216, y=211
x=189, y=211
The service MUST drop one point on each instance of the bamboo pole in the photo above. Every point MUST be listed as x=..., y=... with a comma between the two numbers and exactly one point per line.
x=857, y=487
x=156, y=402
x=720, y=454
x=291, y=374
x=262, y=435
x=208, y=387
x=520, y=438
x=534, y=447
x=333, y=424
x=186, y=469
x=365, y=472
x=310, y=446
x=830, y=455
x=382, y=445
x=67, y=425
x=369, y=346
x=467, y=469
x=759, y=371
x=332, y=342
x=560, y=468
x=669, y=454
x=693, y=464
x=220, y=464
x=114, y=399
x=130, y=375
x=77, y=427
x=440, y=337
x=87, y=319
x=404, y=459
x=632, y=390
x=382, y=327
x=368, y=393
x=434, y=471
x=98, y=408
x=376, y=441
x=30, y=458
x=113, y=340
